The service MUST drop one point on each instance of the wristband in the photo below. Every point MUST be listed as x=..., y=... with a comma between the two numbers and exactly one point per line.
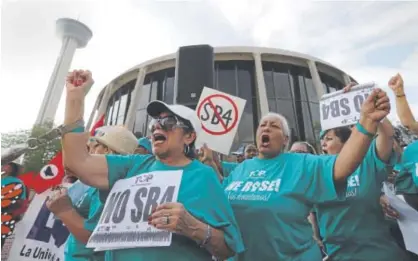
x=361, y=129
x=400, y=95
x=208, y=237
x=79, y=129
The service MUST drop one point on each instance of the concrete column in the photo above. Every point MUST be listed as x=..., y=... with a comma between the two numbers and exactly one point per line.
x=130, y=118
x=261, y=93
x=316, y=79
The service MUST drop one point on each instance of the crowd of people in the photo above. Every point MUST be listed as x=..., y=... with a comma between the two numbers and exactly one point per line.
x=273, y=203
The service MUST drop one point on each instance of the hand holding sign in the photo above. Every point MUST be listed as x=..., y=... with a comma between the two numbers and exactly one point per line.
x=374, y=109
x=59, y=203
x=79, y=82
x=396, y=84
x=175, y=218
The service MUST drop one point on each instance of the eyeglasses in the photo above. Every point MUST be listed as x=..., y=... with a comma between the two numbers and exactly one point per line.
x=167, y=123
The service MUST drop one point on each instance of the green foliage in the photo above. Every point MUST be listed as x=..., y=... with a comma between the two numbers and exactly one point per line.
x=34, y=160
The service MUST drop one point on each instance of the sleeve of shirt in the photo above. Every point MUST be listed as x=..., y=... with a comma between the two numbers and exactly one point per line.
x=410, y=161
x=318, y=178
x=219, y=215
x=118, y=167
x=95, y=212
x=376, y=165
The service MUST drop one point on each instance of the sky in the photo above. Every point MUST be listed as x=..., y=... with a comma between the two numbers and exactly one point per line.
x=371, y=41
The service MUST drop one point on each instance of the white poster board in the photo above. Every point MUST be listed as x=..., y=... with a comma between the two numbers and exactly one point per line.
x=339, y=109
x=124, y=220
x=220, y=114
x=39, y=236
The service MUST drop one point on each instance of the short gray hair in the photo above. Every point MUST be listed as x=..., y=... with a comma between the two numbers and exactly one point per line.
x=283, y=121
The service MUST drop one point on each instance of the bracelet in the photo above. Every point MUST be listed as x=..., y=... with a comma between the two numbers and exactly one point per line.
x=400, y=96
x=78, y=130
x=361, y=129
x=208, y=237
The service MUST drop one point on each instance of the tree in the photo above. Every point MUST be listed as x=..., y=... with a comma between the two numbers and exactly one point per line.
x=34, y=160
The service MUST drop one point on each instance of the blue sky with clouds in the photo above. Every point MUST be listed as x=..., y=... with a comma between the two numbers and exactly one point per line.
x=371, y=41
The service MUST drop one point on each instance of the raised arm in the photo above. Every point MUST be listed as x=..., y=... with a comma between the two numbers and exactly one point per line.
x=374, y=109
x=90, y=169
x=384, y=140
x=402, y=107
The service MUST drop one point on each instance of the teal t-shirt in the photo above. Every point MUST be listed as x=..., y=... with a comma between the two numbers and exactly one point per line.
x=354, y=227
x=89, y=207
x=201, y=194
x=272, y=199
x=410, y=161
x=228, y=167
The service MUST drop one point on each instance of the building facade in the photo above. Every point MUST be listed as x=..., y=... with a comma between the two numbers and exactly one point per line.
x=268, y=79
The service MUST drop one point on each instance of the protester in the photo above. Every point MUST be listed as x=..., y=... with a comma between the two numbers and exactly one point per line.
x=14, y=199
x=273, y=194
x=81, y=216
x=346, y=234
x=201, y=228
x=144, y=146
x=302, y=147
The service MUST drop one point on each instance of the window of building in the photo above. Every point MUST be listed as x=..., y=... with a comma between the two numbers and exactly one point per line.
x=290, y=91
x=119, y=102
x=237, y=78
x=332, y=84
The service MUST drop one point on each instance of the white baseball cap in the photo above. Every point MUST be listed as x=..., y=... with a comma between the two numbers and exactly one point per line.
x=155, y=108
x=117, y=138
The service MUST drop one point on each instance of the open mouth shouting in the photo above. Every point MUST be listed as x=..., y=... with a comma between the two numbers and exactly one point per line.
x=158, y=138
x=265, y=140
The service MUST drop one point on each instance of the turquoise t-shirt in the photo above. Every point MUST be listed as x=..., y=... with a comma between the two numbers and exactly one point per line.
x=410, y=161
x=201, y=194
x=272, y=199
x=354, y=227
x=228, y=167
x=89, y=207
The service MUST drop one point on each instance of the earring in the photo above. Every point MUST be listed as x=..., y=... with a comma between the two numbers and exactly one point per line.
x=186, y=149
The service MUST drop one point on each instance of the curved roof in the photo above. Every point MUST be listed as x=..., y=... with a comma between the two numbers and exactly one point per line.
x=234, y=49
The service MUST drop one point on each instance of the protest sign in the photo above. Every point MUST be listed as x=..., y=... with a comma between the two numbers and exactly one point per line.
x=39, y=236
x=339, y=109
x=124, y=220
x=220, y=114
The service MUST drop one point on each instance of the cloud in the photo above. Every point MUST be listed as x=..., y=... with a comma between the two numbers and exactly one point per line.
x=128, y=32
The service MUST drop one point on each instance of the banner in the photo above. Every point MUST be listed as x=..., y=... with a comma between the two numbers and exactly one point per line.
x=124, y=220
x=339, y=109
x=39, y=236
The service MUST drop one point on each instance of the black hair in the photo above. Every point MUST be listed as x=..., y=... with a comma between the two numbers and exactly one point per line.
x=16, y=168
x=190, y=150
x=343, y=133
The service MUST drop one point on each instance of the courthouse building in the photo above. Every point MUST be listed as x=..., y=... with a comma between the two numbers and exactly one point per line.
x=268, y=79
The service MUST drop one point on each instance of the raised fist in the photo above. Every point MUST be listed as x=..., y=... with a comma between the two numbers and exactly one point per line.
x=59, y=202
x=79, y=82
x=396, y=84
x=376, y=107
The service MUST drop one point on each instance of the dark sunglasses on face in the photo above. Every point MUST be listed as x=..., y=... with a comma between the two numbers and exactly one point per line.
x=167, y=123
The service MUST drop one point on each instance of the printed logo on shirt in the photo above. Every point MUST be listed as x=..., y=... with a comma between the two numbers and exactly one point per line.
x=254, y=189
x=353, y=186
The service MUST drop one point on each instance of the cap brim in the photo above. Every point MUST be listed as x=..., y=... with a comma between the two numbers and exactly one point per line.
x=155, y=108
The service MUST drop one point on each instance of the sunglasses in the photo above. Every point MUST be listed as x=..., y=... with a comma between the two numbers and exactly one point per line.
x=167, y=123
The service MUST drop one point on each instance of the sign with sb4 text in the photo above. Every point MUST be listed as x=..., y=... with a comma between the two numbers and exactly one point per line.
x=220, y=114
x=339, y=109
x=124, y=220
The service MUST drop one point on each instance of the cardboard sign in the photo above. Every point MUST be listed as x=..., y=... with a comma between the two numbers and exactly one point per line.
x=39, y=236
x=220, y=114
x=339, y=109
x=124, y=220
